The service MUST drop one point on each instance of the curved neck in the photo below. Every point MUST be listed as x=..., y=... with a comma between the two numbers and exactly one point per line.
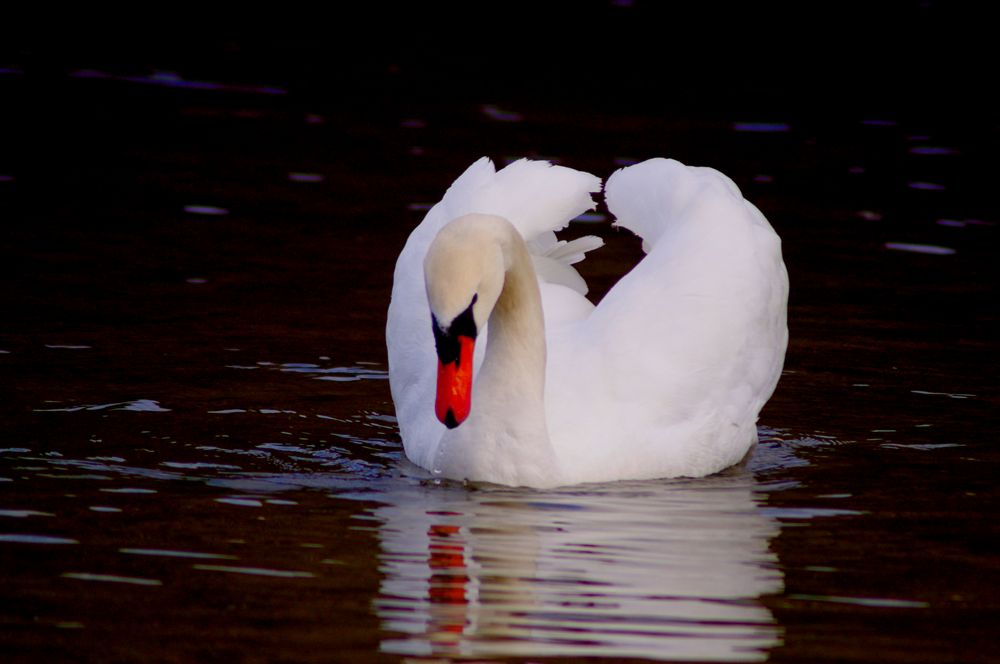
x=515, y=348
x=505, y=439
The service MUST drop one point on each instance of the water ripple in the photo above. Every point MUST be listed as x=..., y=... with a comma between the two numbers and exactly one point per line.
x=35, y=539
x=138, y=405
x=169, y=553
x=662, y=570
x=256, y=571
x=112, y=578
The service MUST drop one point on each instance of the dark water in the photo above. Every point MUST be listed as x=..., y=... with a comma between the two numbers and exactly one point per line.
x=199, y=459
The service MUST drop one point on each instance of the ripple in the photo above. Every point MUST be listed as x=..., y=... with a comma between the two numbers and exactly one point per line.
x=494, y=112
x=925, y=186
x=35, y=539
x=963, y=223
x=67, y=476
x=340, y=374
x=242, y=502
x=278, y=447
x=932, y=150
x=170, y=553
x=874, y=602
x=21, y=514
x=951, y=395
x=305, y=177
x=112, y=578
x=206, y=210
x=920, y=248
x=659, y=570
x=199, y=465
x=924, y=447
x=808, y=513
x=132, y=471
x=343, y=374
x=256, y=571
x=762, y=127
x=170, y=79
x=138, y=405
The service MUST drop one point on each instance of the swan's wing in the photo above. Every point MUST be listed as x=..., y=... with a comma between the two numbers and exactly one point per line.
x=537, y=198
x=554, y=259
x=540, y=198
x=686, y=348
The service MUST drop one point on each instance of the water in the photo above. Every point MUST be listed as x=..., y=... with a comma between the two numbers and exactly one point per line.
x=199, y=459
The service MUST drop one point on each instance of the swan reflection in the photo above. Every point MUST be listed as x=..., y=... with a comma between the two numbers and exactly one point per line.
x=666, y=570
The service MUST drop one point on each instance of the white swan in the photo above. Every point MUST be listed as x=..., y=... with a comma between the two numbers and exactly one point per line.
x=665, y=378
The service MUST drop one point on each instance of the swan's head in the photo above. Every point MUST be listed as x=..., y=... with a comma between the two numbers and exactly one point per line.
x=464, y=273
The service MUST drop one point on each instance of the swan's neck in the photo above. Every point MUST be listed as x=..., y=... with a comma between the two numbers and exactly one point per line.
x=514, y=365
x=506, y=437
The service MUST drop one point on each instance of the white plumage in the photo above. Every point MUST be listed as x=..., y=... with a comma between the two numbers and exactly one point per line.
x=664, y=378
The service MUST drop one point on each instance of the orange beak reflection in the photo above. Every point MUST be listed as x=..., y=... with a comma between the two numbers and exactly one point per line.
x=454, y=385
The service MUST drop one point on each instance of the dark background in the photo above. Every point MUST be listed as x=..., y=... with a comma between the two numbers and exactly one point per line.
x=921, y=57
x=888, y=406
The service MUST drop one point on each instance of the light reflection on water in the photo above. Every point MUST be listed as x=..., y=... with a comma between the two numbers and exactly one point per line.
x=668, y=570
x=169, y=79
x=762, y=127
x=660, y=569
x=138, y=405
x=664, y=570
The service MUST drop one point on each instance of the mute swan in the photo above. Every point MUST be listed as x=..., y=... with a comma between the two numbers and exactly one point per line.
x=664, y=378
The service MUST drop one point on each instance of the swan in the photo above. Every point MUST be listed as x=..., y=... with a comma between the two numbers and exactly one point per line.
x=502, y=371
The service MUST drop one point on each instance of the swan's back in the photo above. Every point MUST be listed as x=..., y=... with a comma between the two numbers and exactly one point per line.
x=673, y=366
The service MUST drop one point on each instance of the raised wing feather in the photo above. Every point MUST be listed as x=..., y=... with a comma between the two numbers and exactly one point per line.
x=535, y=196
x=686, y=346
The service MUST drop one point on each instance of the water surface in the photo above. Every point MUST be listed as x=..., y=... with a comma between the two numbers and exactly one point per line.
x=199, y=459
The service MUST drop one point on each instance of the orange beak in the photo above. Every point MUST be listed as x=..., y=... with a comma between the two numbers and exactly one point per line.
x=454, y=385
